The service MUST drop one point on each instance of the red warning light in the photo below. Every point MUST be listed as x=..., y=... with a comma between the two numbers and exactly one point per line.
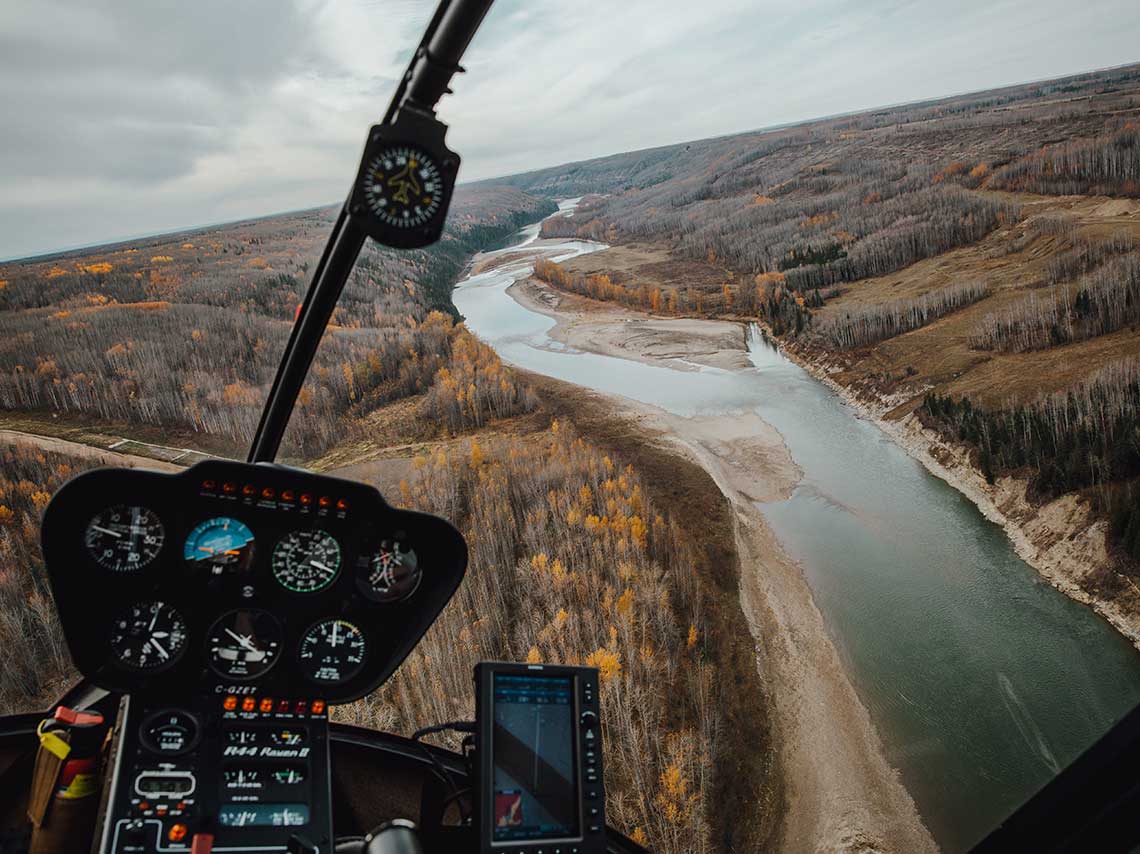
x=283, y=707
x=230, y=703
x=248, y=489
x=317, y=707
x=266, y=705
x=341, y=504
x=229, y=487
x=209, y=484
x=177, y=832
x=325, y=501
x=248, y=704
x=268, y=492
x=286, y=495
x=301, y=707
x=306, y=498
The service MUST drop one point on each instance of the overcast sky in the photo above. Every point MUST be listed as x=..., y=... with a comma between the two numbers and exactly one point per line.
x=126, y=117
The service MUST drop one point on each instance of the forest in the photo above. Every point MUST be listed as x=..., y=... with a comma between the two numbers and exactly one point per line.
x=185, y=331
x=1084, y=439
x=35, y=668
x=570, y=559
x=573, y=564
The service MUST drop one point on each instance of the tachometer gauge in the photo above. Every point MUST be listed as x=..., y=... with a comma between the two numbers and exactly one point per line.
x=392, y=573
x=222, y=544
x=244, y=644
x=306, y=561
x=332, y=651
x=402, y=186
x=124, y=539
x=148, y=636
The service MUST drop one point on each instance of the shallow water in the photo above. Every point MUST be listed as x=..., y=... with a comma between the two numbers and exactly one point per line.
x=982, y=680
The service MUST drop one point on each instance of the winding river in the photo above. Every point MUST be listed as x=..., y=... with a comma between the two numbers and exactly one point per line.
x=982, y=680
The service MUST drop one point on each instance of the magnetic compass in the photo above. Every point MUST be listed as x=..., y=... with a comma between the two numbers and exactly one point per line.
x=402, y=186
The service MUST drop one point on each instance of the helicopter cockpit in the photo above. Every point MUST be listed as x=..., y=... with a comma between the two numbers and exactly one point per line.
x=217, y=613
x=230, y=605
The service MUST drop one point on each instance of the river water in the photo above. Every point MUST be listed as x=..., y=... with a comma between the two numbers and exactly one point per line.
x=982, y=680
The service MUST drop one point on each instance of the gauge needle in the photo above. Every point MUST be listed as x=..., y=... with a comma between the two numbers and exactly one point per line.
x=321, y=566
x=335, y=627
x=106, y=531
x=158, y=646
x=243, y=640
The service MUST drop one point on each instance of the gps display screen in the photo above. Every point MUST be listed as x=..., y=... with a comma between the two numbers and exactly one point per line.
x=534, y=770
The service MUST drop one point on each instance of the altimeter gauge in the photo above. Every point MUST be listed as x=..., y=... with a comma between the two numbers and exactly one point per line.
x=331, y=651
x=124, y=538
x=244, y=644
x=306, y=561
x=148, y=636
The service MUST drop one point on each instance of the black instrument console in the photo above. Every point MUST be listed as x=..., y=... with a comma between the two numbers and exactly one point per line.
x=540, y=760
x=234, y=603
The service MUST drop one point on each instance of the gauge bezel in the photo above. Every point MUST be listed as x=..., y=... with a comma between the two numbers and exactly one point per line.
x=139, y=567
x=176, y=655
x=305, y=670
x=301, y=532
x=364, y=571
x=151, y=745
x=258, y=613
x=220, y=568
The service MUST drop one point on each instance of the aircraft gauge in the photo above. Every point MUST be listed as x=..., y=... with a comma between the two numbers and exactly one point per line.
x=148, y=636
x=244, y=644
x=124, y=539
x=332, y=651
x=306, y=561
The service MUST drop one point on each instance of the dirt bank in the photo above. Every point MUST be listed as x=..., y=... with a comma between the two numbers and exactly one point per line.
x=841, y=794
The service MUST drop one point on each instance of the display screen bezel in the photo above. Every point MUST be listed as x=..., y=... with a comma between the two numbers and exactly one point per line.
x=486, y=710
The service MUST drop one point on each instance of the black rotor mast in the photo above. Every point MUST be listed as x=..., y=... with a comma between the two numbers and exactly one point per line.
x=410, y=119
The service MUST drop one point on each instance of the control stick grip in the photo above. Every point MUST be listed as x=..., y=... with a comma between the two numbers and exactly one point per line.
x=398, y=836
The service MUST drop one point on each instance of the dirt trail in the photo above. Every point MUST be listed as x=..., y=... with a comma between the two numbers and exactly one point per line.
x=78, y=449
x=842, y=793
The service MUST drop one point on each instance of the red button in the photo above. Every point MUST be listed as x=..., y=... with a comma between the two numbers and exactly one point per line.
x=177, y=832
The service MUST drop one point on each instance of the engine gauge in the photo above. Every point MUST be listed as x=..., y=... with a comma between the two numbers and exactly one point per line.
x=391, y=574
x=170, y=732
x=306, y=561
x=124, y=538
x=289, y=776
x=331, y=651
x=223, y=544
x=148, y=636
x=244, y=644
x=402, y=186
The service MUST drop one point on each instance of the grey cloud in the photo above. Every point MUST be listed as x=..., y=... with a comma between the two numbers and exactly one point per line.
x=128, y=116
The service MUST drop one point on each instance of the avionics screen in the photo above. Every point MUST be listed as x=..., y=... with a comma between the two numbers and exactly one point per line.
x=533, y=758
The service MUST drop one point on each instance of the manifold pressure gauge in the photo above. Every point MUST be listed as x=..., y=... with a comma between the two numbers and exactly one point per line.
x=403, y=187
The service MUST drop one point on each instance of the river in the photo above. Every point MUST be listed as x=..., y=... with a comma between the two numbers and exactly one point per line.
x=982, y=680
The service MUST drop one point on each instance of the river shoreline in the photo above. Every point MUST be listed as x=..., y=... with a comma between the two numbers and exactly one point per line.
x=843, y=795
x=1060, y=540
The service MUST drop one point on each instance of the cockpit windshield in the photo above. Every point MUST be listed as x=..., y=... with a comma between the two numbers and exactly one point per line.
x=762, y=370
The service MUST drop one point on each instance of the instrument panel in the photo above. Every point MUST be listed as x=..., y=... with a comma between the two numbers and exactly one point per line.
x=234, y=574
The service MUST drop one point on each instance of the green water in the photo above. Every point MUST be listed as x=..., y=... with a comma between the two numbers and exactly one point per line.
x=982, y=680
